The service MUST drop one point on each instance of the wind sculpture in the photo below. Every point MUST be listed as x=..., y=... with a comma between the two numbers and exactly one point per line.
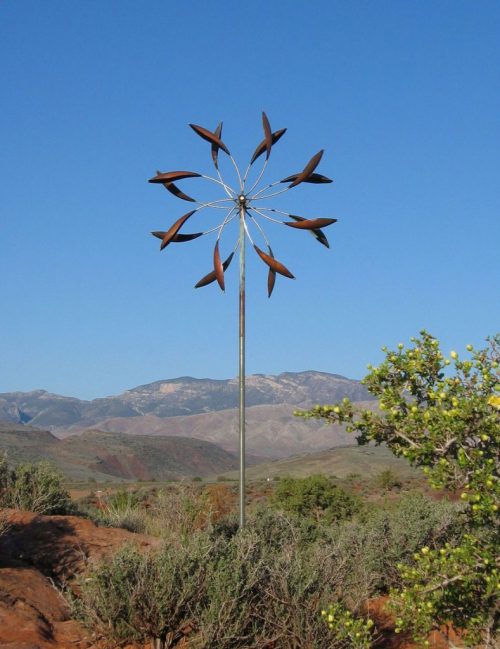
x=245, y=204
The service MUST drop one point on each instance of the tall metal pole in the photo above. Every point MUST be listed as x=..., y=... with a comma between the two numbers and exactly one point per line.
x=242, y=362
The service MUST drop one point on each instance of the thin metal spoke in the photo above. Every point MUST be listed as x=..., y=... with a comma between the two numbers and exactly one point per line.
x=259, y=227
x=248, y=233
x=247, y=171
x=259, y=176
x=260, y=198
x=214, y=204
x=237, y=171
x=266, y=216
x=224, y=223
x=221, y=182
x=218, y=226
x=277, y=182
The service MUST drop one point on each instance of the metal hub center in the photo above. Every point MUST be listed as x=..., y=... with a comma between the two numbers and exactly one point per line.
x=242, y=200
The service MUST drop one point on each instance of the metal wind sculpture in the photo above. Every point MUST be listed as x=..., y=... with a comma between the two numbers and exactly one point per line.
x=244, y=204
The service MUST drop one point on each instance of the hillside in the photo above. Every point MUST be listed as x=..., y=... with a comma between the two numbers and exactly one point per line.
x=176, y=397
x=272, y=430
x=110, y=456
x=365, y=461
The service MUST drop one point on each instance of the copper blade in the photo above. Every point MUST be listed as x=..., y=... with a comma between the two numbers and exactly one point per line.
x=215, y=147
x=171, y=176
x=209, y=137
x=316, y=179
x=271, y=276
x=218, y=269
x=310, y=224
x=173, y=189
x=178, y=238
x=308, y=169
x=268, y=136
x=210, y=277
x=174, y=229
x=262, y=146
x=319, y=235
x=274, y=264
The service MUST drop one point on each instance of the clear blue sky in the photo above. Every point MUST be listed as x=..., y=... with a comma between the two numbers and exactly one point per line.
x=95, y=96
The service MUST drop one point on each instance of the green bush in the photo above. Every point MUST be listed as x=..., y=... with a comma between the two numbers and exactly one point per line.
x=123, y=508
x=387, y=479
x=33, y=487
x=316, y=497
x=442, y=414
x=266, y=583
x=136, y=595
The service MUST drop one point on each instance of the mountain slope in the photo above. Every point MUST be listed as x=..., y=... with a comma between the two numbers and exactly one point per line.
x=104, y=456
x=176, y=397
x=272, y=431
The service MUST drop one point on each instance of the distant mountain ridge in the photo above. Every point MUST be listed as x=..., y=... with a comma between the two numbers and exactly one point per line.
x=103, y=456
x=177, y=397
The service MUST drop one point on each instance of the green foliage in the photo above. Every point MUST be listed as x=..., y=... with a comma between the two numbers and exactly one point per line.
x=448, y=422
x=356, y=632
x=458, y=583
x=315, y=497
x=123, y=508
x=269, y=582
x=138, y=595
x=387, y=479
x=33, y=487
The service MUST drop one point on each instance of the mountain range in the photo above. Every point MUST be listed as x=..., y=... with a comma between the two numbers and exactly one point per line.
x=122, y=435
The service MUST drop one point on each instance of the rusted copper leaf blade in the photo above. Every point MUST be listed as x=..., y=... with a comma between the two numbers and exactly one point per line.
x=218, y=268
x=210, y=277
x=262, y=146
x=316, y=179
x=273, y=263
x=173, y=189
x=215, y=147
x=319, y=235
x=271, y=276
x=209, y=137
x=179, y=238
x=310, y=224
x=268, y=136
x=174, y=229
x=172, y=176
x=308, y=169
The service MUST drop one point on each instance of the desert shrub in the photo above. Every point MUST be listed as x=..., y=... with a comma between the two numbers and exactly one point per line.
x=235, y=589
x=178, y=511
x=387, y=479
x=316, y=497
x=33, y=487
x=353, y=631
x=448, y=422
x=124, y=509
x=137, y=596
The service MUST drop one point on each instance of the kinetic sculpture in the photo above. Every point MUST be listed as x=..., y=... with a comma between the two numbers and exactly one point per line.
x=246, y=205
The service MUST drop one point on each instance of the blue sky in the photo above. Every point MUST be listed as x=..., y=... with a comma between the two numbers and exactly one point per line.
x=402, y=95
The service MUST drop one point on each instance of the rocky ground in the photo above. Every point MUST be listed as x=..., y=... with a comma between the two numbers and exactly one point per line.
x=37, y=555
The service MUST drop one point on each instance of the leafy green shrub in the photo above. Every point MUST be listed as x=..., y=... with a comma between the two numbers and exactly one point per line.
x=356, y=632
x=316, y=497
x=236, y=589
x=448, y=422
x=33, y=487
x=136, y=595
x=387, y=479
x=123, y=508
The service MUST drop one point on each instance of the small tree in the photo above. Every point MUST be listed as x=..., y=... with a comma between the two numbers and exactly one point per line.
x=446, y=420
x=316, y=497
